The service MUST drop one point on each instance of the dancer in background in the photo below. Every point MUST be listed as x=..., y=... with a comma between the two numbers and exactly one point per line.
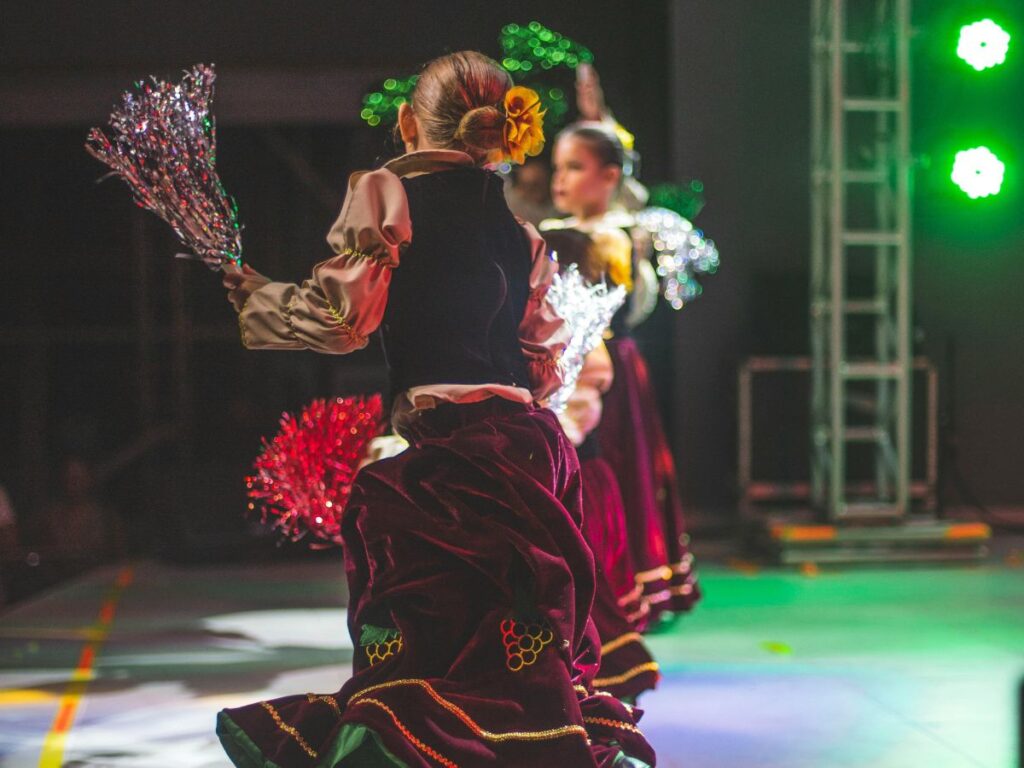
x=627, y=667
x=470, y=583
x=589, y=160
x=529, y=193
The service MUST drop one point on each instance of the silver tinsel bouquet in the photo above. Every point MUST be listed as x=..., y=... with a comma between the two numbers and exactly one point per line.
x=587, y=309
x=163, y=143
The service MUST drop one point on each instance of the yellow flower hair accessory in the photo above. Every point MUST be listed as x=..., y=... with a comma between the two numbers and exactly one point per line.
x=523, y=135
x=625, y=137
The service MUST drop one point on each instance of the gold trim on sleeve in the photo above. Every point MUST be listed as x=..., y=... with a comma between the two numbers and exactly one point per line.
x=381, y=258
x=354, y=336
x=241, y=325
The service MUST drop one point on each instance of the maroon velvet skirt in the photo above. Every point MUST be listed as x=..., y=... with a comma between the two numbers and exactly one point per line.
x=470, y=592
x=633, y=443
x=627, y=667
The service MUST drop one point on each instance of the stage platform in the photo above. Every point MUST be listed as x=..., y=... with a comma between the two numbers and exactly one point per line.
x=879, y=668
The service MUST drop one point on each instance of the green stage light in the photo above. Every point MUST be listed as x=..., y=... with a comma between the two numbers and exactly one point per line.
x=983, y=44
x=978, y=172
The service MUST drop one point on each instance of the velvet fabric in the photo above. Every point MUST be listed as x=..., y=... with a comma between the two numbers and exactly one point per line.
x=634, y=445
x=475, y=526
x=627, y=667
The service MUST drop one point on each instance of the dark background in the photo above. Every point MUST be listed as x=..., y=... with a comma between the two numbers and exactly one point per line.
x=713, y=89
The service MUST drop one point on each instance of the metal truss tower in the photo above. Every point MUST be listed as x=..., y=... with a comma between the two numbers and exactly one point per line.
x=861, y=259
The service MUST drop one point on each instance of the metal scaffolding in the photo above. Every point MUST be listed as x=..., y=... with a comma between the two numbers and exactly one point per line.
x=861, y=255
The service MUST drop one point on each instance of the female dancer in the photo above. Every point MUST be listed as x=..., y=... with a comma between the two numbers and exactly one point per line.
x=470, y=584
x=627, y=667
x=588, y=174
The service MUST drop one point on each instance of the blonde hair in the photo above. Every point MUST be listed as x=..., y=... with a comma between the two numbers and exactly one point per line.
x=458, y=101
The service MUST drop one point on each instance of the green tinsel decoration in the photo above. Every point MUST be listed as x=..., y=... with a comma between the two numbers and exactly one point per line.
x=527, y=52
x=685, y=199
x=532, y=49
x=381, y=107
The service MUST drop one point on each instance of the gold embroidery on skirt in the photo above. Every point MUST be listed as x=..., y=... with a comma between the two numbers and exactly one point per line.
x=524, y=642
x=378, y=652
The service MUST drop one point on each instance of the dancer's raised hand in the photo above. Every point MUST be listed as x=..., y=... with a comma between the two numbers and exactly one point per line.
x=589, y=94
x=241, y=284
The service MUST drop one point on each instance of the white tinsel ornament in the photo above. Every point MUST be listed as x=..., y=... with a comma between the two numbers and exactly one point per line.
x=587, y=309
x=681, y=253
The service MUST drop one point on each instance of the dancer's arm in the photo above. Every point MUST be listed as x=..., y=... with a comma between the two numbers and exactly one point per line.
x=583, y=410
x=336, y=309
x=543, y=334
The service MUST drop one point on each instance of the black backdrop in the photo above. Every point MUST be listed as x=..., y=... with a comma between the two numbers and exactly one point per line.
x=715, y=89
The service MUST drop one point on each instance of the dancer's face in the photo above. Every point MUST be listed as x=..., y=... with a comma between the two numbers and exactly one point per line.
x=580, y=185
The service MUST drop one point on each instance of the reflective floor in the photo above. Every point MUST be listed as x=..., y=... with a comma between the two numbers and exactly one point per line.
x=885, y=668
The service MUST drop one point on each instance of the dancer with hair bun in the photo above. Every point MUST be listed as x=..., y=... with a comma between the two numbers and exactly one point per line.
x=470, y=582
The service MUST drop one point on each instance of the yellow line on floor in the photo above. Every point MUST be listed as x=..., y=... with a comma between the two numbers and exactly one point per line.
x=52, y=755
x=17, y=697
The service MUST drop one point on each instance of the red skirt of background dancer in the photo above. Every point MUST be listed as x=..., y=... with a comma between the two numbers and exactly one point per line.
x=627, y=667
x=633, y=443
x=470, y=591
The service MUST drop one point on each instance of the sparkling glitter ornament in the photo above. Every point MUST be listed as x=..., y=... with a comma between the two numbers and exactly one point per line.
x=304, y=476
x=681, y=253
x=163, y=143
x=587, y=309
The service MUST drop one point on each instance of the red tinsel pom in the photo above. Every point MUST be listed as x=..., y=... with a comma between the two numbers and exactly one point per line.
x=304, y=476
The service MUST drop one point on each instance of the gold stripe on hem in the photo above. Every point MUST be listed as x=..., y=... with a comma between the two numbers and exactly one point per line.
x=551, y=733
x=667, y=571
x=604, y=682
x=328, y=700
x=618, y=642
x=289, y=729
x=429, y=751
x=621, y=725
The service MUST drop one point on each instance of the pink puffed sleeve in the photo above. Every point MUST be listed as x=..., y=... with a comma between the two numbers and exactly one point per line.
x=543, y=334
x=336, y=309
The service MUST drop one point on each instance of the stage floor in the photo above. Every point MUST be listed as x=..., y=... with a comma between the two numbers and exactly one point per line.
x=884, y=668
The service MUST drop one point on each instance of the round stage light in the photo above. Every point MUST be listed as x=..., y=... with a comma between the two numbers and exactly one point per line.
x=983, y=44
x=978, y=172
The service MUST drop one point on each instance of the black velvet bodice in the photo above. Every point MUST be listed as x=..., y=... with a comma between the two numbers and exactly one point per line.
x=458, y=296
